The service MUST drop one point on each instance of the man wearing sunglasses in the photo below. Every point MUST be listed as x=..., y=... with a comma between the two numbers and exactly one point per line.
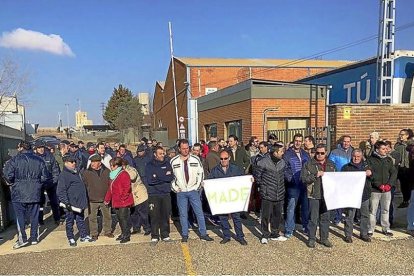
x=227, y=169
x=311, y=176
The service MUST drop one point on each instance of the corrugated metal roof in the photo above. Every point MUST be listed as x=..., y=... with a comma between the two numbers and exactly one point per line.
x=251, y=62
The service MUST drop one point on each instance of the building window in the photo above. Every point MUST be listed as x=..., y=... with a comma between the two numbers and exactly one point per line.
x=234, y=128
x=211, y=131
x=287, y=123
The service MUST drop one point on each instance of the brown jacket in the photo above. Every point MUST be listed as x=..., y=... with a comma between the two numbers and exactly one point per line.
x=96, y=183
x=212, y=160
x=139, y=191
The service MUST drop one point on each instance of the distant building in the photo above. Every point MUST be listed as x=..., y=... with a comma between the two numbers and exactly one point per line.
x=12, y=114
x=197, y=77
x=82, y=119
x=143, y=99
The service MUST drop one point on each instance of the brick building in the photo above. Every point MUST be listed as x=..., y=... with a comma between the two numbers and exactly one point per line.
x=359, y=120
x=253, y=107
x=196, y=77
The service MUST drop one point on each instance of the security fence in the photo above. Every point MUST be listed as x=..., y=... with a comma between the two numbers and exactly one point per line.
x=321, y=134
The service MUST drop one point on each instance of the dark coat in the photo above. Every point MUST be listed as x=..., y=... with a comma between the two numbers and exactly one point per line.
x=80, y=162
x=71, y=189
x=26, y=172
x=140, y=164
x=97, y=183
x=120, y=192
x=242, y=158
x=52, y=167
x=232, y=170
x=351, y=167
x=159, y=176
x=270, y=178
x=314, y=183
x=128, y=157
x=383, y=171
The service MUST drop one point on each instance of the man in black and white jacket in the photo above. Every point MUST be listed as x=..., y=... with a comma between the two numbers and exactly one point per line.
x=189, y=174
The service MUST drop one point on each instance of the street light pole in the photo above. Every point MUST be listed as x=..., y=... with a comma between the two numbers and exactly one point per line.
x=173, y=77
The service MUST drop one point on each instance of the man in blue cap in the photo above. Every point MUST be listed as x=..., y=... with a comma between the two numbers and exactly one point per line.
x=26, y=174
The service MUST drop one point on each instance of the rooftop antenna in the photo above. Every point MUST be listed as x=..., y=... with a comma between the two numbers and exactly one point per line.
x=385, y=60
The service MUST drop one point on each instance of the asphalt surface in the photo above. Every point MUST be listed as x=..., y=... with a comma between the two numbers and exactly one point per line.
x=106, y=256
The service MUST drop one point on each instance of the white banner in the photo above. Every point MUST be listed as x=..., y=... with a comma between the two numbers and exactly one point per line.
x=228, y=195
x=343, y=189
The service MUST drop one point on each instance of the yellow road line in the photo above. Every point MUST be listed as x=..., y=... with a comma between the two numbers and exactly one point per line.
x=187, y=260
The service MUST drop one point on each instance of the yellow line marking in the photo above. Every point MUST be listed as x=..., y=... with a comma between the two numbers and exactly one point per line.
x=187, y=260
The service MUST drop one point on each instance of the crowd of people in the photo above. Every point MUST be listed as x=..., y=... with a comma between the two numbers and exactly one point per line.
x=146, y=191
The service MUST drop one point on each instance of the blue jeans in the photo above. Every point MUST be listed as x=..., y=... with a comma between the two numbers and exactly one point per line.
x=23, y=211
x=225, y=226
x=337, y=215
x=192, y=197
x=293, y=197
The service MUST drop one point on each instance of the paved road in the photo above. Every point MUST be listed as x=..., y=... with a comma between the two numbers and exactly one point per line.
x=53, y=256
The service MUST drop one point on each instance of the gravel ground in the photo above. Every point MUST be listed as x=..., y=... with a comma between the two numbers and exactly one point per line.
x=290, y=257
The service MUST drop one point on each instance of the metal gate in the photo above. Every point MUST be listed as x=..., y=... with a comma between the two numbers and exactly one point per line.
x=322, y=135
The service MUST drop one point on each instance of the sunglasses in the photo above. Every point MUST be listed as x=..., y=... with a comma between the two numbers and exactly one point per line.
x=224, y=158
x=320, y=153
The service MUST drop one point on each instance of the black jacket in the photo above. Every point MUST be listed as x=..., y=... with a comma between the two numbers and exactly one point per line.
x=159, y=176
x=270, y=178
x=71, y=189
x=351, y=167
x=383, y=171
x=26, y=172
x=242, y=158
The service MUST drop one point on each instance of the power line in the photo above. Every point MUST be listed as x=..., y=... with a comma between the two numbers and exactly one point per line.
x=313, y=56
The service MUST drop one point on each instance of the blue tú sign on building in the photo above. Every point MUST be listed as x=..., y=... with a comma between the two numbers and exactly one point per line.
x=353, y=85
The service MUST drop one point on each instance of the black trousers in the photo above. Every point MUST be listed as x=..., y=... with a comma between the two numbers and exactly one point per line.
x=271, y=213
x=159, y=212
x=122, y=215
x=405, y=179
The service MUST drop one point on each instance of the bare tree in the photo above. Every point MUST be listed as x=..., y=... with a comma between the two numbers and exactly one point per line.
x=13, y=84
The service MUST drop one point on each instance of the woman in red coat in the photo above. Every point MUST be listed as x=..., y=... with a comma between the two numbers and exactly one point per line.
x=119, y=194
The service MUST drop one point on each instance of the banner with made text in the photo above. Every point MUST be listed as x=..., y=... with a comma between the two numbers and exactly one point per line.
x=343, y=189
x=228, y=195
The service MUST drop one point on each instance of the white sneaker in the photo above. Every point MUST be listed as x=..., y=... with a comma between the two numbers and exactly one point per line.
x=154, y=242
x=72, y=242
x=86, y=239
x=18, y=244
x=280, y=238
x=263, y=241
x=167, y=239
